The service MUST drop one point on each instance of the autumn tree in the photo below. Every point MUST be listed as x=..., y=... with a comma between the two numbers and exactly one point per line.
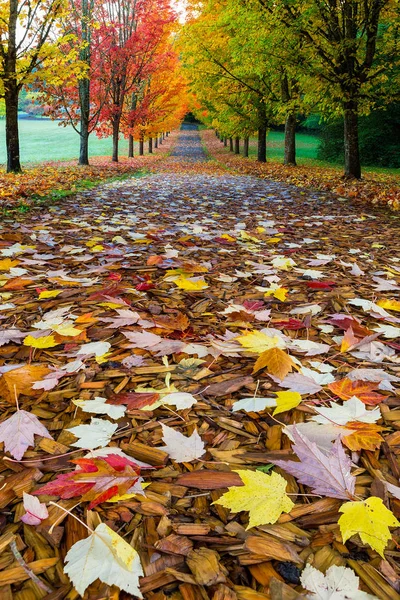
x=26, y=28
x=343, y=44
x=135, y=29
x=237, y=64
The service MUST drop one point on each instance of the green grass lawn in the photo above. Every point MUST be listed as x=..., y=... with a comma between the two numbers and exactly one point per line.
x=43, y=140
x=306, y=152
x=306, y=146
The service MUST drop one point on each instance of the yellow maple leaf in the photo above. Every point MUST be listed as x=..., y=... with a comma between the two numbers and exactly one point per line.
x=249, y=238
x=370, y=519
x=189, y=284
x=7, y=263
x=49, y=294
x=229, y=238
x=277, y=292
x=286, y=401
x=264, y=496
x=390, y=304
x=46, y=341
x=276, y=361
x=97, y=248
x=258, y=342
x=67, y=330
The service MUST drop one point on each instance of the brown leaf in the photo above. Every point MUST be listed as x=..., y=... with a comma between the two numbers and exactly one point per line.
x=228, y=386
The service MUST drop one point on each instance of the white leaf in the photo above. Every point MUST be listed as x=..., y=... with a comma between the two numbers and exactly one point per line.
x=352, y=410
x=373, y=309
x=181, y=400
x=95, y=435
x=388, y=331
x=106, y=556
x=311, y=273
x=322, y=435
x=125, y=318
x=320, y=378
x=301, y=384
x=309, y=347
x=100, y=407
x=253, y=404
x=339, y=583
x=198, y=349
x=371, y=375
x=312, y=309
x=384, y=285
x=181, y=448
x=96, y=348
x=17, y=432
x=393, y=489
x=36, y=511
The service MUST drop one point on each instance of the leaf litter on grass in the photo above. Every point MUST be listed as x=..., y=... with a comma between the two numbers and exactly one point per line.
x=193, y=376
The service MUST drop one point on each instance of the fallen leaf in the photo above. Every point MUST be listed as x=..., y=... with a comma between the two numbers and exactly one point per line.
x=338, y=583
x=106, y=556
x=21, y=380
x=99, y=406
x=18, y=431
x=96, y=479
x=36, y=511
x=346, y=389
x=286, y=401
x=326, y=474
x=95, y=435
x=370, y=519
x=181, y=448
x=277, y=361
x=263, y=496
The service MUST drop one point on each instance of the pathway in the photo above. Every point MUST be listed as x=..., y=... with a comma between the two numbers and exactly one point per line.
x=101, y=288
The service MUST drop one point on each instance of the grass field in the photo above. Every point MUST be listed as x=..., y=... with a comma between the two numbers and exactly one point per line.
x=306, y=146
x=42, y=140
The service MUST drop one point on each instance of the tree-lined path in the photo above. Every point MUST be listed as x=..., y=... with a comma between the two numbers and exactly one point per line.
x=182, y=320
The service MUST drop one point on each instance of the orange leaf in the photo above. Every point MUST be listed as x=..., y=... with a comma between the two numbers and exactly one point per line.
x=17, y=284
x=277, y=362
x=346, y=389
x=365, y=436
x=176, y=322
x=20, y=381
x=349, y=340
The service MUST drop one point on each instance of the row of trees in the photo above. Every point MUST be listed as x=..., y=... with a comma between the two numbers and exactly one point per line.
x=257, y=63
x=104, y=66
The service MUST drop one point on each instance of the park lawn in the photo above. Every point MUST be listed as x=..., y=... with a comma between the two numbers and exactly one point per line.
x=306, y=152
x=45, y=140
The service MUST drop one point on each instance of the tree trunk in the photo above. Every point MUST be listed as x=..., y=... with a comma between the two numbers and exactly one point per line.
x=141, y=146
x=262, y=133
x=246, y=147
x=84, y=145
x=84, y=84
x=237, y=145
x=290, y=140
x=150, y=145
x=130, y=146
x=84, y=101
x=156, y=142
x=12, y=134
x=160, y=139
x=225, y=142
x=352, y=165
x=11, y=91
x=262, y=143
x=231, y=144
x=115, y=139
